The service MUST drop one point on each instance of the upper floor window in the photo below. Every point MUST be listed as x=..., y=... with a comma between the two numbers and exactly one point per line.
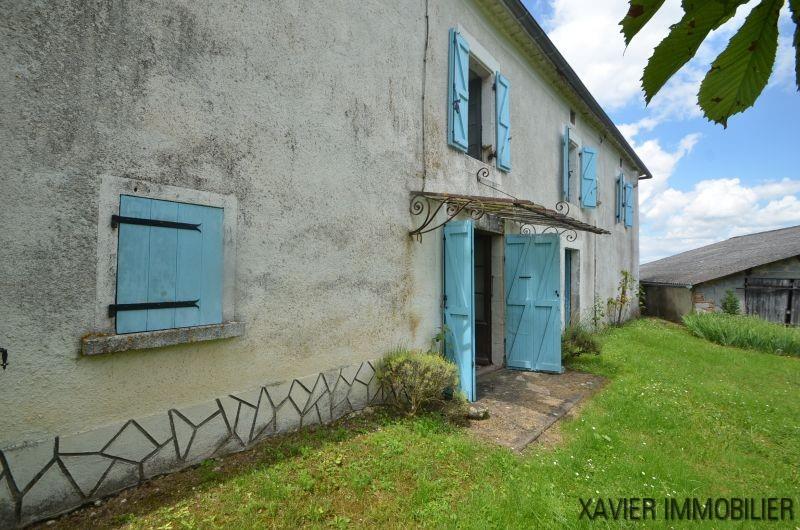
x=169, y=265
x=469, y=104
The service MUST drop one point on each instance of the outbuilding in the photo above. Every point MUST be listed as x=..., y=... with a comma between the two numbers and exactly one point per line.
x=761, y=269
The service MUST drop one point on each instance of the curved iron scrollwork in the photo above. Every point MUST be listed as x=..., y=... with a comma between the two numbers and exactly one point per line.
x=569, y=234
x=562, y=207
x=421, y=205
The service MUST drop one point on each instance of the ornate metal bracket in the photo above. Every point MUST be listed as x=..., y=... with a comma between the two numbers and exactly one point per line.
x=423, y=206
x=562, y=207
x=571, y=235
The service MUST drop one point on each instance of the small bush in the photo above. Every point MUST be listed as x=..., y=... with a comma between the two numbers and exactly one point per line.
x=419, y=381
x=730, y=304
x=744, y=332
x=578, y=340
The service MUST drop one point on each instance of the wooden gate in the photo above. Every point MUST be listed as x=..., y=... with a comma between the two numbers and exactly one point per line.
x=776, y=300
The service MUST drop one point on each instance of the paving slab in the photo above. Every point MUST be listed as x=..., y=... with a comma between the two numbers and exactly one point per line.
x=523, y=405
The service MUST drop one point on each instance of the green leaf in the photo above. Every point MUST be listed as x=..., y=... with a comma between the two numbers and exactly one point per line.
x=742, y=70
x=683, y=40
x=639, y=13
x=794, y=5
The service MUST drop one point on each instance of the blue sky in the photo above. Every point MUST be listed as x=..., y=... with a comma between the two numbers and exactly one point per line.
x=710, y=183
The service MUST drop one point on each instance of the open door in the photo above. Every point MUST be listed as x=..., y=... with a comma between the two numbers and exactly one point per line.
x=459, y=311
x=533, y=309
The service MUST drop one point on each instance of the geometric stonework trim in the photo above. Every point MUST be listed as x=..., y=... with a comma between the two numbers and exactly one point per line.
x=39, y=480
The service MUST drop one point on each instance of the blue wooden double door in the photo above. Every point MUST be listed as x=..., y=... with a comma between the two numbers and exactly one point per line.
x=532, y=310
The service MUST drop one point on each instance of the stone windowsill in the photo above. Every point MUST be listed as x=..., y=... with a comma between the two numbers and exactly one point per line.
x=99, y=344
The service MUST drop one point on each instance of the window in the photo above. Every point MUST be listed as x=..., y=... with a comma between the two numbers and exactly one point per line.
x=475, y=122
x=572, y=116
x=619, y=190
x=169, y=265
x=470, y=99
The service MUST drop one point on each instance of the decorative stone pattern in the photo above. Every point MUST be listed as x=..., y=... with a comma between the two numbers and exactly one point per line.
x=44, y=478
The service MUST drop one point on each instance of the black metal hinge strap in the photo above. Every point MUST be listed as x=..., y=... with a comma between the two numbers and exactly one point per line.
x=113, y=309
x=121, y=219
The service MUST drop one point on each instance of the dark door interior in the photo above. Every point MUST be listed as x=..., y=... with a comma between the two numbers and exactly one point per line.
x=483, y=299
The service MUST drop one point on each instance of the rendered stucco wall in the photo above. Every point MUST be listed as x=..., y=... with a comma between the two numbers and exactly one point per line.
x=312, y=125
x=275, y=104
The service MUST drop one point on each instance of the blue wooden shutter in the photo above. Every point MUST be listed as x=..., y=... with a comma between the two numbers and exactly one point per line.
x=619, y=198
x=164, y=264
x=459, y=306
x=565, y=166
x=589, y=178
x=503, y=128
x=458, y=92
x=629, y=203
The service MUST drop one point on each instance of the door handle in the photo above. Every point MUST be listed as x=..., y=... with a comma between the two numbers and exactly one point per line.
x=524, y=277
x=557, y=295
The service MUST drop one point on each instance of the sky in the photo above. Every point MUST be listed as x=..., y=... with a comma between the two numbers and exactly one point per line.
x=709, y=183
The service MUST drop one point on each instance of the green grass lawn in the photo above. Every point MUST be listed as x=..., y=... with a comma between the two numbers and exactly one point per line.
x=680, y=417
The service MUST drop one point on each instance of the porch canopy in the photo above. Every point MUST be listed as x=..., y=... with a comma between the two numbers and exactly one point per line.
x=428, y=204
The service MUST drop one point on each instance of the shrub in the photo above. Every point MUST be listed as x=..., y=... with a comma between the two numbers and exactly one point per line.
x=730, y=304
x=744, y=332
x=578, y=340
x=419, y=381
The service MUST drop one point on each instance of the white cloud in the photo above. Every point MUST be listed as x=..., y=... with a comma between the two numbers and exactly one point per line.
x=587, y=34
x=612, y=73
x=714, y=210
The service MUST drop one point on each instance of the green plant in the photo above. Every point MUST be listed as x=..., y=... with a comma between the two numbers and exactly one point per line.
x=578, y=340
x=439, y=341
x=744, y=332
x=739, y=74
x=618, y=305
x=417, y=380
x=730, y=304
x=598, y=313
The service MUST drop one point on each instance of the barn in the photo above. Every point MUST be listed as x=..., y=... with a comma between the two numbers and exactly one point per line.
x=761, y=269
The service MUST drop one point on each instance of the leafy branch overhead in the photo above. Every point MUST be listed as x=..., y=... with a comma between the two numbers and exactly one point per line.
x=739, y=74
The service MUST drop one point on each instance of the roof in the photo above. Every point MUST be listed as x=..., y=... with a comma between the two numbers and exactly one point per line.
x=727, y=257
x=528, y=213
x=564, y=71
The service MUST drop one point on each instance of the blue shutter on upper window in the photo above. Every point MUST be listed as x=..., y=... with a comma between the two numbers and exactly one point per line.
x=503, y=125
x=588, y=178
x=172, y=263
x=458, y=92
x=629, y=204
x=565, y=166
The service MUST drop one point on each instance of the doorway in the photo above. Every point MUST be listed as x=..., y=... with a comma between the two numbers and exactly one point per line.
x=483, y=298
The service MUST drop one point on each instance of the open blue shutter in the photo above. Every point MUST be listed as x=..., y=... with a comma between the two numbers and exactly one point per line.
x=629, y=203
x=459, y=304
x=501, y=93
x=618, y=198
x=458, y=92
x=589, y=178
x=165, y=264
x=565, y=166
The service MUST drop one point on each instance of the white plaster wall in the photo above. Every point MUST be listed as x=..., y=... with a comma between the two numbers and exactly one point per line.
x=307, y=114
x=312, y=123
